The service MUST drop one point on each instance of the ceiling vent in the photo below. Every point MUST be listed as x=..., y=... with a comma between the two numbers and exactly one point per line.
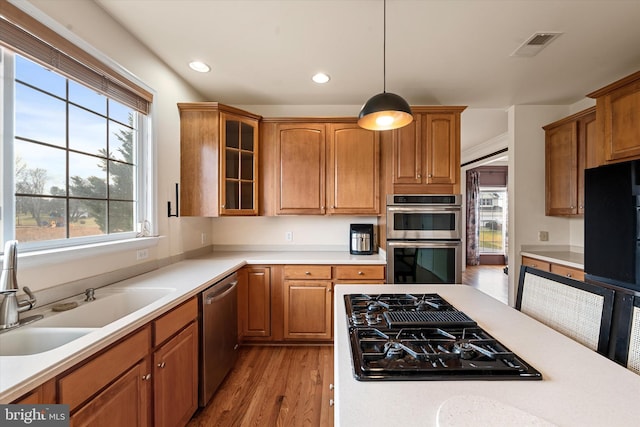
x=534, y=44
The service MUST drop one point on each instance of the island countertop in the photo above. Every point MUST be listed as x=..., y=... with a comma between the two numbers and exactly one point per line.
x=579, y=386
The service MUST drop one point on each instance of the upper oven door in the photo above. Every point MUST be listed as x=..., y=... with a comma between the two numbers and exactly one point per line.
x=424, y=222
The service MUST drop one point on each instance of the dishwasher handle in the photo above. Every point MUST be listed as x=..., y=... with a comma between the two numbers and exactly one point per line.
x=220, y=293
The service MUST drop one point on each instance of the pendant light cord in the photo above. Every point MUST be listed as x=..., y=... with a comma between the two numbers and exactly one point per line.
x=384, y=46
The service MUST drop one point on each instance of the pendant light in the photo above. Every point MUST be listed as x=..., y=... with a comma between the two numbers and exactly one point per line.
x=385, y=110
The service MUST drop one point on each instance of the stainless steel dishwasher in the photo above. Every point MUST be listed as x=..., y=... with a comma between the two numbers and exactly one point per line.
x=218, y=334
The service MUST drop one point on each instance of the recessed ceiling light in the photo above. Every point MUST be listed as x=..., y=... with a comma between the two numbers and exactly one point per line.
x=321, y=78
x=200, y=67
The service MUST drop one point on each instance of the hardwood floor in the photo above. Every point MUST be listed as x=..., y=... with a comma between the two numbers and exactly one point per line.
x=489, y=279
x=274, y=386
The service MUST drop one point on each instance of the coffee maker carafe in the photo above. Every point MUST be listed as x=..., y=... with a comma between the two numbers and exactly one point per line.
x=361, y=239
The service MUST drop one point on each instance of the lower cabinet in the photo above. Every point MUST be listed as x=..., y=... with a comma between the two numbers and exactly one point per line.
x=175, y=379
x=308, y=309
x=45, y=393
x=559, y=269
x=286, y=303
x=148, y=378
x=307, y=302
x=254, y=302
x=123, y=403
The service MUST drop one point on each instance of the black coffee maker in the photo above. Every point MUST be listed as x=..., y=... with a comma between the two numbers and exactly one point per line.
x=361, y=241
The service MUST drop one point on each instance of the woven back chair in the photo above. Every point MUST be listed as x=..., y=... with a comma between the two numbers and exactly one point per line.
x=633, y=353
x=576, y=309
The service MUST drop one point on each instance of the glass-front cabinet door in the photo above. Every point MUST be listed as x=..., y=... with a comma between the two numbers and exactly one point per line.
x=239, y=171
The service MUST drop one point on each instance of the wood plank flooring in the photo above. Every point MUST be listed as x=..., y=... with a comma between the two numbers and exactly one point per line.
x=284, y=386
x=489, y=279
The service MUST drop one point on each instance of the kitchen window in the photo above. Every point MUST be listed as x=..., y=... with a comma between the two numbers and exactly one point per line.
x=76, y=148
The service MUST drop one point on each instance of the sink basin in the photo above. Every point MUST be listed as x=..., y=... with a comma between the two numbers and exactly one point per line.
x=109, y=306
x=32, y=340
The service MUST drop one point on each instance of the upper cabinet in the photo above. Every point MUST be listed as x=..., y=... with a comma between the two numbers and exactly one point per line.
x=218, y=160
x=317, y=167
x=618, y=120
x=569, y=149
x=426, y=153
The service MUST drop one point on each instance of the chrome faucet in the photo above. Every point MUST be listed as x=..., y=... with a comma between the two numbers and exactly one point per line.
x=11, y=307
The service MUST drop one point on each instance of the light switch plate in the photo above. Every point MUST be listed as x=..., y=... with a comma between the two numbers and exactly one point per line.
x=543, y=236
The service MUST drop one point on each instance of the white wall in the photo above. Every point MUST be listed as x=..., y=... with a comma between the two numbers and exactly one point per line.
x=309, y=232
x=526, y=184
x=84, y=21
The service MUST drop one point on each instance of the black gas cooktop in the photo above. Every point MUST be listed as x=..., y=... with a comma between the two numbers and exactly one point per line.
x=423, y=337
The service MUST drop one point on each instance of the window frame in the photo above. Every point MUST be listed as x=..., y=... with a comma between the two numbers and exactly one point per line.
x=145, y=232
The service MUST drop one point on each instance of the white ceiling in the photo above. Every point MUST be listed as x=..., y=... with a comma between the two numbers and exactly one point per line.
x=439, y=52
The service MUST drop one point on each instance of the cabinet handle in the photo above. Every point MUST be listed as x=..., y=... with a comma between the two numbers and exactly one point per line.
x=534, y=265
x=146, y=377
x=161, y=365
x=360, y=273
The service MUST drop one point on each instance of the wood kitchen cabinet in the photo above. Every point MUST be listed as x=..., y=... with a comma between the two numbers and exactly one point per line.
x=123, y=403
x=254, y=303
x=45, y=393
x=308, y=302
x=569, y=147
x=320, y=167
x=218, y=160
x=618, y=120
x=175, y=366
x=148, y=378
x=112, y=386
x=559, y=269
x=426, y=153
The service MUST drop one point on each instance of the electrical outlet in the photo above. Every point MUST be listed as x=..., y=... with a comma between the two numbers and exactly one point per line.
x=543, y=236
x=142, y=254
x=289, y=236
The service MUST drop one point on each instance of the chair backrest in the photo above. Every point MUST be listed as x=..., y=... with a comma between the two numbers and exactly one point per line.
x=579, y=310
x=633, y=355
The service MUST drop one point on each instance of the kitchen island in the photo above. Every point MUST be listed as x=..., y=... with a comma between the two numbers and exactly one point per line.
x=579, y=387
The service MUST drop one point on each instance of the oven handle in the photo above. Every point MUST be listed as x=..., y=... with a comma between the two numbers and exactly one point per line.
x=423, y=209
x=425, y=243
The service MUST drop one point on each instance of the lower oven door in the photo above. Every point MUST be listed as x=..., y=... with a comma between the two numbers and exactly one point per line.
x=424, y=261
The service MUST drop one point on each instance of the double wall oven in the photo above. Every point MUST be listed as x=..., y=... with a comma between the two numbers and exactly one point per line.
x=424, y=238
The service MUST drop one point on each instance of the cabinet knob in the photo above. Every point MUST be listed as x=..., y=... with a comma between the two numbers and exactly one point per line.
x=307, y=273
x=430, y=175
x=568, y=274
x=360, y=273
x=581, y=207
x=331, y=387
x=330, y=402
x=419, y=176
x=572, y=207
x=146, y=377
x=534, y=265
x=329, y=289
x=161, y=365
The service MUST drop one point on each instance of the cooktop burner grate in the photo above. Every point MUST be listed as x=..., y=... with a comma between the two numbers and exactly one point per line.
x=427, y=318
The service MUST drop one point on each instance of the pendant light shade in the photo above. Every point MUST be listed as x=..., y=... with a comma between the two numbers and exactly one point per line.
x=385, y=110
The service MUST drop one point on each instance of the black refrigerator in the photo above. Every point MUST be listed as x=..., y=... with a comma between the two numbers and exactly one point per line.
x=611, y=235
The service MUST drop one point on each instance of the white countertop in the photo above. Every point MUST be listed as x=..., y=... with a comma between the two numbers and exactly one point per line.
x=19, y=374
x=563, y=257
x=579, y=387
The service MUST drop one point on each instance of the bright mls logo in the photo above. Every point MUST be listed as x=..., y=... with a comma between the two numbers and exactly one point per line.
x=34, y=415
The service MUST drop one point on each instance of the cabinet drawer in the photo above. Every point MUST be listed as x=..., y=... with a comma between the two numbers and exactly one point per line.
x=307, y=272
x=173, y=321
x=359, y=272
x=82, y=383
x=565, y=271
x=536, y=263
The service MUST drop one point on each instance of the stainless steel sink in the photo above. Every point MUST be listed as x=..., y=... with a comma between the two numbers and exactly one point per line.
x=31, y=340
